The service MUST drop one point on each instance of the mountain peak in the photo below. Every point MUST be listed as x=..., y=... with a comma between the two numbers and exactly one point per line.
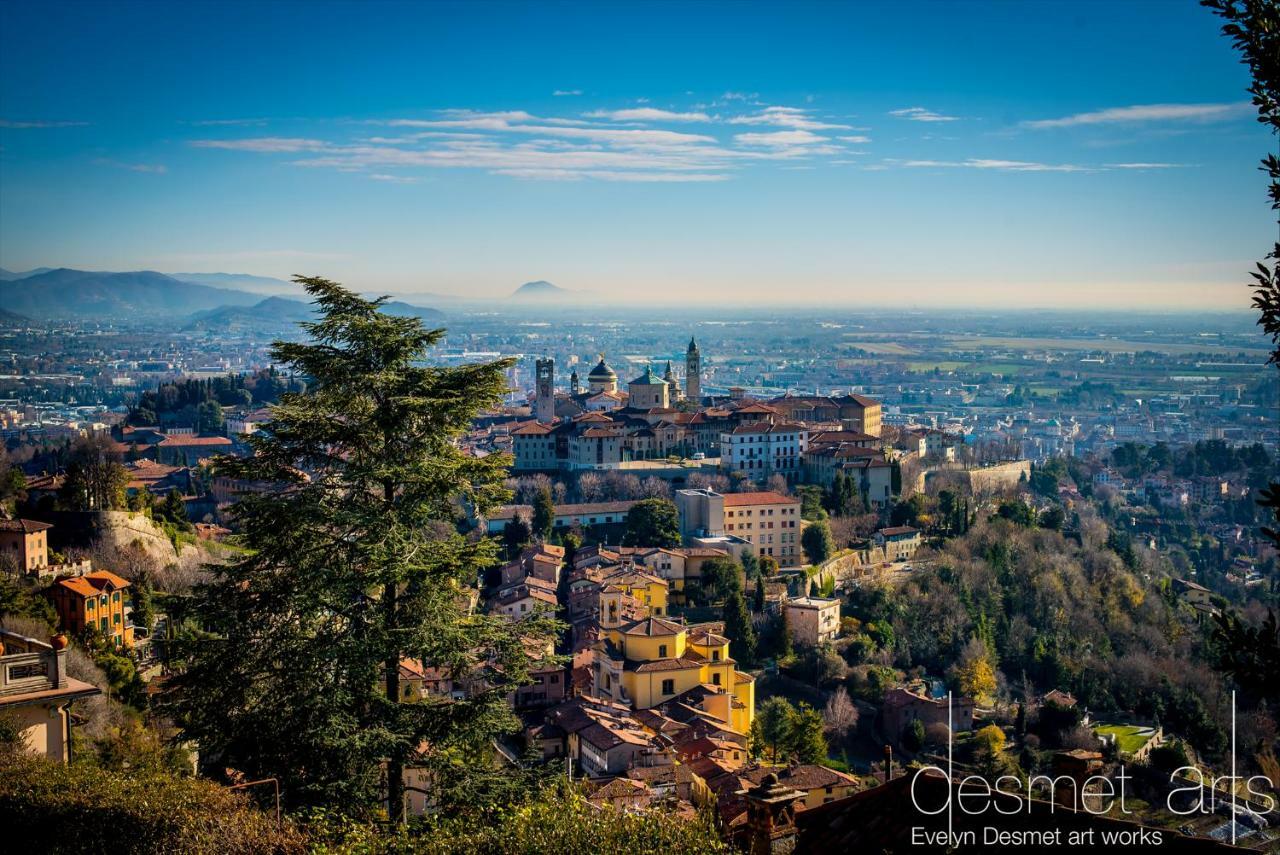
x=540, y=288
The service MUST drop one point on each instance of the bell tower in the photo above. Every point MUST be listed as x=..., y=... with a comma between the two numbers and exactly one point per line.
x=693, y=373
x=544, y=404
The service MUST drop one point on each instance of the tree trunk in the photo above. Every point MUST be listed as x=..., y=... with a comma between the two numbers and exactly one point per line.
x=395, y=763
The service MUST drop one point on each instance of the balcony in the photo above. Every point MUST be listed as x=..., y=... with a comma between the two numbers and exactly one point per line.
x=30, y=666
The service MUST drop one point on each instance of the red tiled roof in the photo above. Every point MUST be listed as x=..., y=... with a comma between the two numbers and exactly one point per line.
x=24, y=526
x=171, y=441
x=90, y=584
x=764, y=497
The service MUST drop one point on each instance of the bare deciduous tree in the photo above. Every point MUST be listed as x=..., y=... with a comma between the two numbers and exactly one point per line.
x=840, y=714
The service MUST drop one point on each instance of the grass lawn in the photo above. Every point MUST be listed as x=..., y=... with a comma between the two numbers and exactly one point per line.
x=1129, y=737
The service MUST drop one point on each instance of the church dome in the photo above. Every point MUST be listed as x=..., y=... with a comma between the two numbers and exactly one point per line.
x=602, y=372
x=647, y=378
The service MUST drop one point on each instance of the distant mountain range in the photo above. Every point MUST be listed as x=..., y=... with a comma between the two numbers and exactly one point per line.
x=241, y=282
x=64, y=293
x=9, y=275
x=267, y=315
x=541, y=290
x=276, y=313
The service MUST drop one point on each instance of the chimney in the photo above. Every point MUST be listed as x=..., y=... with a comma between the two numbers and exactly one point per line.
x=771, y=817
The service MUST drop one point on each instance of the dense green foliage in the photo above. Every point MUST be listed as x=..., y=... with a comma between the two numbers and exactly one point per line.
x=652, y=522
x=721, y=576
x=353, y=570
x=784, y=733
x=86, y=809
x=189, y=401
x=559, y=819
x=817, y=542
x=544, y=513
x=738, y=629
x=844, y=497
x=90, y=809
x=1047, y=611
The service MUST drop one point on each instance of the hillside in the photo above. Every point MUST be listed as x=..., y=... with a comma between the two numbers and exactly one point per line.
x=269, y=315
x=241, y=282
x=8, y=318
x=405, y=310
x=65, y=293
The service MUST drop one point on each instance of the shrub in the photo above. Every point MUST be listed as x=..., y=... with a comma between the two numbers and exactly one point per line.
x=82, y=808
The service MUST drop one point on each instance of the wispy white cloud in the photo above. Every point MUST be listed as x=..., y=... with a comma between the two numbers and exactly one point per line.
x=780, y=138
x=265, y=144
x=155, y=168
x=787, y=117
x=210, y=123
x=566, y=93
x=921, y=114
x=1146, y=165
x=520, y=122
x=989, y=163
x=855, y=139
x=17, y=125
x=520, y=144
x=1146, y=113
x=609, y=175
x=647, y=114
x=393, y=179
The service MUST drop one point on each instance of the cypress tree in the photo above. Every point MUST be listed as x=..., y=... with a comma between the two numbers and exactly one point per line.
x=544, y=513
x=737, y=626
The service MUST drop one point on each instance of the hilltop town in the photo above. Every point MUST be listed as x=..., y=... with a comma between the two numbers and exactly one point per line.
x=741, y=574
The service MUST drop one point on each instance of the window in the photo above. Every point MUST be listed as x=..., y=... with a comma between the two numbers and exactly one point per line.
x=715, y=679
x=715, y=655
x=668, y=687
x=662, y=651
x=116, y=597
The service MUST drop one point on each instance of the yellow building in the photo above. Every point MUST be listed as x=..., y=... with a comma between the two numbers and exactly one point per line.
x=24, y=544
x=647, y=589
x=654, y=661
x=36, y=693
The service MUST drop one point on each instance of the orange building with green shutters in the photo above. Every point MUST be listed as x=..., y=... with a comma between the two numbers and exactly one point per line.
x=94, y=600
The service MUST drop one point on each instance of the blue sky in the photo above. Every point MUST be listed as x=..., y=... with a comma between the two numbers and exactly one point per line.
x=1042, y=154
